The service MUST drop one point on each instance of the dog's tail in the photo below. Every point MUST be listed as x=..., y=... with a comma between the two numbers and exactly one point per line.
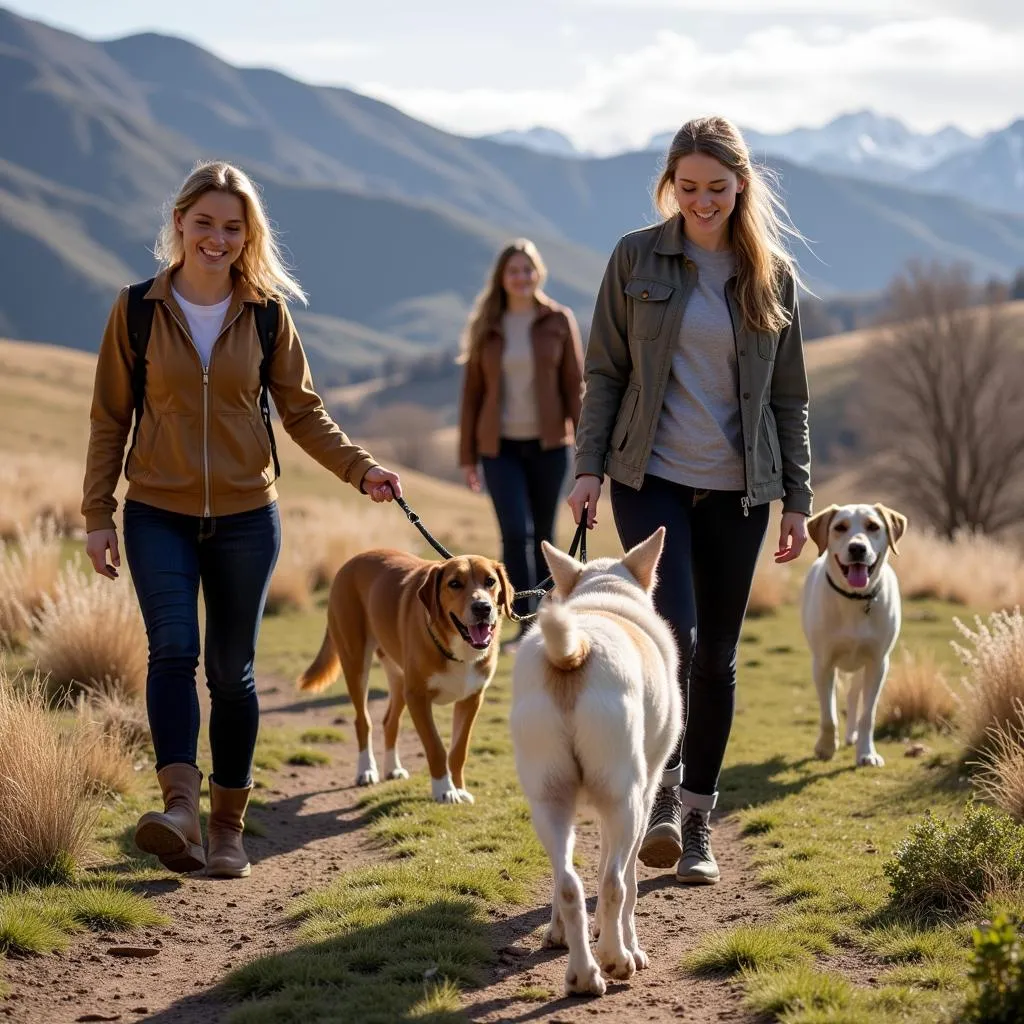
x=565, y=645
x=324, y=669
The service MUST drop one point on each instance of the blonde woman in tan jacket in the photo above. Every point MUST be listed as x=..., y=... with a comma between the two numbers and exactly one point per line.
x=201, y=504
x=520, y=405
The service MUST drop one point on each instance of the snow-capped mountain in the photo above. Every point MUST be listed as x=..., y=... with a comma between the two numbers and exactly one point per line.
x=539, y=138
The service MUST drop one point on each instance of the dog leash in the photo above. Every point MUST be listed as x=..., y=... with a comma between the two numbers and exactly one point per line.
x=579, y=543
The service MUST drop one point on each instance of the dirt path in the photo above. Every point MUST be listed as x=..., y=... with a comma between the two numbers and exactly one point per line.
x=313, y=831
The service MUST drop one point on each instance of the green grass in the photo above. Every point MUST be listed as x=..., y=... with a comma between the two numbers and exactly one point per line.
x=322, y=735
x=819, y=833
x=308, y=758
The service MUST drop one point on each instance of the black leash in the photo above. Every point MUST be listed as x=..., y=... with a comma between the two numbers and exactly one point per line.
x=579, y=543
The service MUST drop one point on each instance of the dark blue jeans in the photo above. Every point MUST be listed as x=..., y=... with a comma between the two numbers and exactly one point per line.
x=232, y=558
x=704, y=579
x=525, y=482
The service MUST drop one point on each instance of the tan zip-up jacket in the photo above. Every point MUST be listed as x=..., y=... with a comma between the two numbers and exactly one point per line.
x=202, y=448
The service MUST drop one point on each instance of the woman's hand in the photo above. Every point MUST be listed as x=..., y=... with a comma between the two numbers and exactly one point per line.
x=792, y=536
x=97, y=543
x=586, y=492
x=381, y=484
x=472, y=478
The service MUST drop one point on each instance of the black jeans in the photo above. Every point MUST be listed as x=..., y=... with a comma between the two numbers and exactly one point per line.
x=170, y=556
x=525, y=482
x=704, y=581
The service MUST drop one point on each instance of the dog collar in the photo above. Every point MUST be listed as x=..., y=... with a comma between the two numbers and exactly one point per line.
x=867, y=598
x=440, y=646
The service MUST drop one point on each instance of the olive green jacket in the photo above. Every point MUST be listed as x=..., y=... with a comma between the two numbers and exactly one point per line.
x=628, y=362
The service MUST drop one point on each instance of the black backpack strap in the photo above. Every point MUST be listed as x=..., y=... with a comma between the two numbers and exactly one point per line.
x=139, y=314
x=268, y=321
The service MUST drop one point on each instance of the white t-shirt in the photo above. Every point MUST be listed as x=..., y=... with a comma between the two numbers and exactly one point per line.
x=204, y=323
x=520, y=419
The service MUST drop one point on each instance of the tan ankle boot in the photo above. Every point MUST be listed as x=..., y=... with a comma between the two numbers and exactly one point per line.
x=226, y=856
x=174, y=836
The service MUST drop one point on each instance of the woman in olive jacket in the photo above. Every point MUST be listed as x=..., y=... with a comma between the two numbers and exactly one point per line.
x=696, y=408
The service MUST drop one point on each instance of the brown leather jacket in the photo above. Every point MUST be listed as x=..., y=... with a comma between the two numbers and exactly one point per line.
x=558, y=361
x=202, y=447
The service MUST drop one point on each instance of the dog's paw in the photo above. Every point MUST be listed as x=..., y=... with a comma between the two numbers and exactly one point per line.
x=640, y=958
x=826, y=747
x=397, y=773
x=871, y=760
x=465, y=797
x=617, y=963
x=554, y=936
x=851, y=737
x=586, y=981
x=368, y=777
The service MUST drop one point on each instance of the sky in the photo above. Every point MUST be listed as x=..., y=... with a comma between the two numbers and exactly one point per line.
x=611, y=73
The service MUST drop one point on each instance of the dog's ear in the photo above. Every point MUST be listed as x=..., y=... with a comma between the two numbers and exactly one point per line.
x=895, y=524
x=506, y=592
x=430, y=590
x=565, y=570
x=642, y=560
x=818, y=524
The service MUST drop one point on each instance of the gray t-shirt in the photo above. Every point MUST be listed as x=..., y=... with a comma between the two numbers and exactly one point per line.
x=699, y=441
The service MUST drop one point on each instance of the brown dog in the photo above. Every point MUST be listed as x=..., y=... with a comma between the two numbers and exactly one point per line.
x=435, y=628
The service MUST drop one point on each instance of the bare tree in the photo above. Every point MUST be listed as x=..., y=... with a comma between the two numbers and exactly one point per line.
x=943, y=396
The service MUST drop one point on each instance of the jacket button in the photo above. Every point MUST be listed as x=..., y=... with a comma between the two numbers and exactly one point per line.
x=743, y=351
x=645, y=294
x=749, y=448
x=746, y=394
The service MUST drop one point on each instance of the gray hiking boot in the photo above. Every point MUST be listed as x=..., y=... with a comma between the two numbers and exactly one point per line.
x=663, y=845
x=697, y=864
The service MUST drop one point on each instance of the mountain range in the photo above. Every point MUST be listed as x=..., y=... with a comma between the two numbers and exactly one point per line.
x=390, y=224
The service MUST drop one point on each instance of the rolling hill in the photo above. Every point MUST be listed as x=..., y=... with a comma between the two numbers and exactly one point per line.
x=391, y=224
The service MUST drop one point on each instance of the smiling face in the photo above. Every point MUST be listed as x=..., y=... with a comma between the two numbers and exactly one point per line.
x=705, y=191
x=520, y=277
x=467, y=596
x=213, y=232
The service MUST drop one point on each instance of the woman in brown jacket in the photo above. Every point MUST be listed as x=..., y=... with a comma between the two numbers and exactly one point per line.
x=201, y=503
x=521, y=398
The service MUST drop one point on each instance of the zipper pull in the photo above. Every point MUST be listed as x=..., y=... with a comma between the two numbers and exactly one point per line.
x=206, y=376
x=745, y=503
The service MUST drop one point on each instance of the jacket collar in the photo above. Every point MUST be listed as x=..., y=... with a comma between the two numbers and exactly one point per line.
x=671, y=237
x=544, y=308
x=243, y=290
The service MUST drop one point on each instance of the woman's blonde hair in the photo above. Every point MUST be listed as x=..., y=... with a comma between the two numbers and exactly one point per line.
x=492, y=301
x=260, y=263
x=757, y=225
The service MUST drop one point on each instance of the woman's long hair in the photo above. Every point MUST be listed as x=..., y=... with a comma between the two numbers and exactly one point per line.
x=260, y=263
x=757, y=226
x=492, y=301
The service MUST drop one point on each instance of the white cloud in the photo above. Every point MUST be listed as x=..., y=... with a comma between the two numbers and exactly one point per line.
x=930, y=72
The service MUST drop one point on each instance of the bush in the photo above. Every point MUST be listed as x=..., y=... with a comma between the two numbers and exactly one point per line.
x=29, y=570
x=997, y=974
x=949, y=868
x=916, y=695
x=39, y=487
x=1001, y=775
x=47, y=810
x=995, y=660
x=90, y=636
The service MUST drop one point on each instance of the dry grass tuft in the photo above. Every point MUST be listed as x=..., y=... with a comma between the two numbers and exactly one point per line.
x=995, y=661
x=29, y=570
x=90, y=636
x=771, y=589
x=39, y=488
x=1000, y=778
x=974, y=570
x=47, y=806
x=318, y=537
x=916, y=694
x=121, y=719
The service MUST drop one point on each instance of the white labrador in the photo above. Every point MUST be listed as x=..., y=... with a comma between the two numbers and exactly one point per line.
x=851, y=617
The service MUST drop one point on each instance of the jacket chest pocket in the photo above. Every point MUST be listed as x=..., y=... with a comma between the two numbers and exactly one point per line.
x=767, y=343
x=647, y=303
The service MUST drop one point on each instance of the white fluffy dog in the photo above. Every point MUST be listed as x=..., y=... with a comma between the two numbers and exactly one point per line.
x=595, y=713
x=851, y=617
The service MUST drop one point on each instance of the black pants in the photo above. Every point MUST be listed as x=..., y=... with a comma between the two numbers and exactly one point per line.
x=525, y=482
x=232, y=558
x=705, y=576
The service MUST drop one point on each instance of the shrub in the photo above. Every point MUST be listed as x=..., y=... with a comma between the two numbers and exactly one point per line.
x=123, y=720
x=1001, y=775
x=997, y=973
x=47, y=812
x=29, y=570
x=948, y=868
x=36, y=487
x=916, y=694
x=90, y=636
x=995, y=661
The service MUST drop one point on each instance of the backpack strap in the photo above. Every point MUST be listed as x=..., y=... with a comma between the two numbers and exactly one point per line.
x=139, y=314
x=268, y=321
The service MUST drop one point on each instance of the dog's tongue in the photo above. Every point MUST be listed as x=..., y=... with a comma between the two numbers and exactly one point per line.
x=857, y=575
x=480, y=633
